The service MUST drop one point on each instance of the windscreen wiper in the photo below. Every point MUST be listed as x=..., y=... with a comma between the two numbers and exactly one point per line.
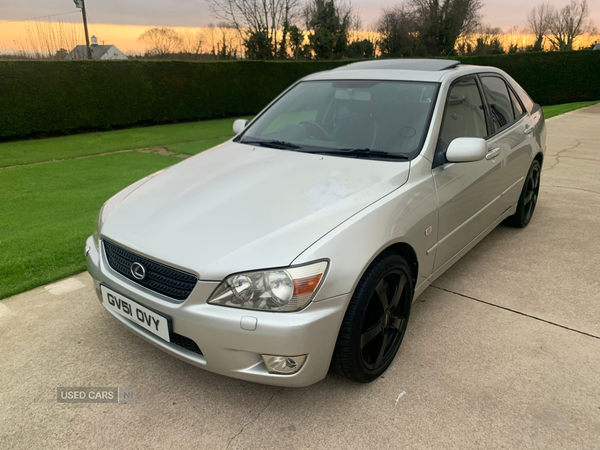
x=358, y=152
x=283, y=145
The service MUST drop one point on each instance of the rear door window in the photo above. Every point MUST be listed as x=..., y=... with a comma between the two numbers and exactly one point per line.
x=498, y=98
x=526, y=100
x=517, y=108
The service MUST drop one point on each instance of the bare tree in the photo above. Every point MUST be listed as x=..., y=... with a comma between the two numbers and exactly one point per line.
x=488, y=41
x=46, y=39
x=223, y=41
x=257, y=18
x=569, y=23
x=192, y=42
x=538, y=19
x=161, y=41
x=515, y=38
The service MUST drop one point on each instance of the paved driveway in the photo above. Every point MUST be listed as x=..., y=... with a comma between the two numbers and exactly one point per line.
x=503, y=352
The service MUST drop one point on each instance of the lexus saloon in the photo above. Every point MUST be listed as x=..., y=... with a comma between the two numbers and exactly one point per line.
x=300, y=244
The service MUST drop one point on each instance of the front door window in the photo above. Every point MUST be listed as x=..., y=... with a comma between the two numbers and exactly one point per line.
x=464, y=115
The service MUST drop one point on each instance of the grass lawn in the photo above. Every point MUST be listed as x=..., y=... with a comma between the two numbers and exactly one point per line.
x=192, y=148
x=47, y=210
x=555, y=110
x=64, y=147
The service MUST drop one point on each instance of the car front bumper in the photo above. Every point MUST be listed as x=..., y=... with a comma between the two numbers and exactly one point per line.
x=226, y=347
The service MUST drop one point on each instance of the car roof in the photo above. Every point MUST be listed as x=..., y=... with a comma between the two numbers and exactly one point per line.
x=403, y=64
x=429, y=70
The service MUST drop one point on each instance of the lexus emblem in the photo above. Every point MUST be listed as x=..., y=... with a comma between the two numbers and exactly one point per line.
x=138, y=271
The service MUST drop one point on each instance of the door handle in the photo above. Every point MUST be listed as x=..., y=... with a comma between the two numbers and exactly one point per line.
x=492, y=153
x=528, y=129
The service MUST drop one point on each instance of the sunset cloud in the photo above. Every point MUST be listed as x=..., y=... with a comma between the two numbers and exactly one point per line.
x=120, y=22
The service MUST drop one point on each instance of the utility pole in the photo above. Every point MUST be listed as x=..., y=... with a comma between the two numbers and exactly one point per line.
x=81, y=5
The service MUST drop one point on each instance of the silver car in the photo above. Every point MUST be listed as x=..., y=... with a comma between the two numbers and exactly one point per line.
x=300, y=244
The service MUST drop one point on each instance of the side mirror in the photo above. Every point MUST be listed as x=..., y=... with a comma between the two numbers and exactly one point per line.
x=239, y=125
x=466, y=150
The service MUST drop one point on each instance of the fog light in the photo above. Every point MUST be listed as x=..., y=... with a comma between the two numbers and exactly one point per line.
x=285, y=365
x=87, y=250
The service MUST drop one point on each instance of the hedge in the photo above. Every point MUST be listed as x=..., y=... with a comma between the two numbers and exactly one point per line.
x=42, y=98
x=550, y=78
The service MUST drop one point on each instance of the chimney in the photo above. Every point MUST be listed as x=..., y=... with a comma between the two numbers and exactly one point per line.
x=94, y=40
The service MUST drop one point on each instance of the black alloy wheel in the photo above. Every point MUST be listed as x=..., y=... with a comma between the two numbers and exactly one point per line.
x=375, y=321
x=528, y=199
x=532, y=189
x=385, y=321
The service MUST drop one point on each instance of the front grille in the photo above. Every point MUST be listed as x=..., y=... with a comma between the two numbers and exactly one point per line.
x=184, y=342
x=159, y=278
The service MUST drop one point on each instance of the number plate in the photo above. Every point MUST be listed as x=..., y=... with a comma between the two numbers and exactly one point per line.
x=144, y=317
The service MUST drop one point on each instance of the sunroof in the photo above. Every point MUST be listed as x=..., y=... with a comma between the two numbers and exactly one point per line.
x=403, y=64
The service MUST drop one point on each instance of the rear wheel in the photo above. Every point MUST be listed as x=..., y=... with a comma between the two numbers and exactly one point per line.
x=528, y=198
x=375, y=321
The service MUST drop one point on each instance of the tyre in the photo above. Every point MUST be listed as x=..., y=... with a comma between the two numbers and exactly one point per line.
x=375, y=321
x=528, y=198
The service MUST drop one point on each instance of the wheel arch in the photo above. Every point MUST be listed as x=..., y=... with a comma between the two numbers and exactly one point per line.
x=400, y=248
x=408, y=253
x=540, y=158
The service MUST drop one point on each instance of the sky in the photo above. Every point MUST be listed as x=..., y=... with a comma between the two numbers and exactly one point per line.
x=121, y=21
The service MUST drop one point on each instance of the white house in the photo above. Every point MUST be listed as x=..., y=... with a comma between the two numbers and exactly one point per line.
x=98, y=51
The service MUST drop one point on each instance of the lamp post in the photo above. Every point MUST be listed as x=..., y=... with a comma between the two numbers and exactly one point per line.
x=81, y=5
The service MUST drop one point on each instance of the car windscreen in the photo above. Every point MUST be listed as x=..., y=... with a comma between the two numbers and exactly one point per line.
x=378, y=116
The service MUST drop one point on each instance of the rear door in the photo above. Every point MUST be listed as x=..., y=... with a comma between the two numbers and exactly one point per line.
x=468, y=193
x=511, y=137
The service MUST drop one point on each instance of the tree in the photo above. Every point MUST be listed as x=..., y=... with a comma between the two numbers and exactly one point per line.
x=440, y=23
x=538, y=19
x=513, y=37
x=192, y=42
x=160, y=41
x=223, y=41
x=569, y=23
x=329, y=23
x=360, y=49
x=258, y=22
x=259, y=46
x=295, y=42
x=488, y=42
x=61, y=54
x=46, y=40
x=513, y=48
x=396, y=28
x=428, y=27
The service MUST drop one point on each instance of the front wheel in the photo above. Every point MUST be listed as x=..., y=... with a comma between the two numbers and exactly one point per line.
x=375, y=321
x=528, y=198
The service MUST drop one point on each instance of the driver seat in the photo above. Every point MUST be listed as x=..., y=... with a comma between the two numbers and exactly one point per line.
x=356, y=129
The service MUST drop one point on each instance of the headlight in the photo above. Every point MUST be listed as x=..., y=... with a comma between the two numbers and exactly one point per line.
x=286, y=290
x=97, y=227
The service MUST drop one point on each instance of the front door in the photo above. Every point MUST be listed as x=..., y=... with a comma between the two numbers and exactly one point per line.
x=468, y=193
